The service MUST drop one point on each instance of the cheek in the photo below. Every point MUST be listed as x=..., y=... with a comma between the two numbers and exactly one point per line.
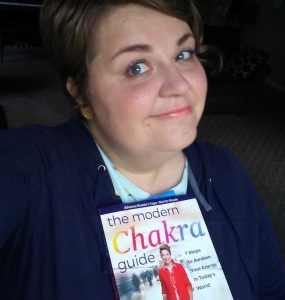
x=200, y=81
x=122, y=108
x=199, y=85
x=134, y=100
x=204, y=80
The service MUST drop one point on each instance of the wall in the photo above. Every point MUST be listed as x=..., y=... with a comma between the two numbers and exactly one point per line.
x=268, y=35
x=266, y=32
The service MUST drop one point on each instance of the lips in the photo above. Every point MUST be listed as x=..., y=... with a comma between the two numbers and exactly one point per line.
x=176, y=113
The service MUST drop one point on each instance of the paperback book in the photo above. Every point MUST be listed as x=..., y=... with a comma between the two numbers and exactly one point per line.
x=134, y=233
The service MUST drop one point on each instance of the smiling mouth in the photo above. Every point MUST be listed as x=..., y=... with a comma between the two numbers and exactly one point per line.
x=176, y=113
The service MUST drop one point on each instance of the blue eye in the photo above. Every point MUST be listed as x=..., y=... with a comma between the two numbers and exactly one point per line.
x=137, y=68
x=184, y=55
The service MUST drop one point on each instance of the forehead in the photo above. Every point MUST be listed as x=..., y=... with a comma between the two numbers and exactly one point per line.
x=136, y=23
x=164, y=251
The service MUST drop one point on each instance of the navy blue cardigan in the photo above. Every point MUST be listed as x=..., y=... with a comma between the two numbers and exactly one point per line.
x=51, y=185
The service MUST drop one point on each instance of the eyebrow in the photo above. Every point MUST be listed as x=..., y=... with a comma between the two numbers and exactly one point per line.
x=133, y=48
x=184, y=38
x=148, y=48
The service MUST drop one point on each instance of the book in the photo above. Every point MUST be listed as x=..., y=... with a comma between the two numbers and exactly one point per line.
x=134, y=232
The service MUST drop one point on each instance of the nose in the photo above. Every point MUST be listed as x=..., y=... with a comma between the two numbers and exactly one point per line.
x=174, y=83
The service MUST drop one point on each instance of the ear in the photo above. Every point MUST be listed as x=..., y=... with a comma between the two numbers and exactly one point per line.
x=72, y=89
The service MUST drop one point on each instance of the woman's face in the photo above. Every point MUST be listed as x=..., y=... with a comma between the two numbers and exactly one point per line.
x=147, y=89
x=166, y=256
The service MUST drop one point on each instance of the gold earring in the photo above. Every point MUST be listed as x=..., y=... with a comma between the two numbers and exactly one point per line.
x=86, y=112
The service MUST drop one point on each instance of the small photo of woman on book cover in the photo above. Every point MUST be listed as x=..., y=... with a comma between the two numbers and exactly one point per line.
x=175, y=283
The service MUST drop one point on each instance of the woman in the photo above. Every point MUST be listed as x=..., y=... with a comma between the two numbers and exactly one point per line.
x=174, y=280
x=132, y=68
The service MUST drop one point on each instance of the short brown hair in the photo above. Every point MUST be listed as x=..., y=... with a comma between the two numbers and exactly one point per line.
x=67, y=25
x=164, y=247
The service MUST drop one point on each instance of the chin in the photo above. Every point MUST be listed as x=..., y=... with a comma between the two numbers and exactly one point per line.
x=182, y=141
x=174, y=140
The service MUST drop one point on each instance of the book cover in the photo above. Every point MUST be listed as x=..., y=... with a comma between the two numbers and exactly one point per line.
x=134, y=233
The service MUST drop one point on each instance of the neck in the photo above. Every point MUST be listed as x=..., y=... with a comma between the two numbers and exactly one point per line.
x=169, y=265
x=152, y=171
x=160, y=177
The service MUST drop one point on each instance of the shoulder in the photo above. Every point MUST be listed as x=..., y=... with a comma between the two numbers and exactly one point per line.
x=161, y=270
x=19, y=146
x=39, y=153
x=218, y=163
x=178, y=265
x=29, y=144
x=20, y=140
x=226, y=178
x=209, y=153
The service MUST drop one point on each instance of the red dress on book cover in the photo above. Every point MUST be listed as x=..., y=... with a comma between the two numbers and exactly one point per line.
x=175, y=282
